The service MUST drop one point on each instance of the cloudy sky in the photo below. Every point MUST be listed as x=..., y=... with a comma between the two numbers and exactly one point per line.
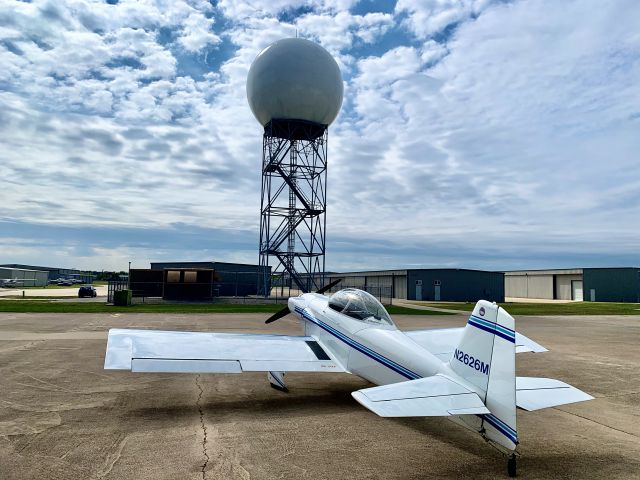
x=474, y=133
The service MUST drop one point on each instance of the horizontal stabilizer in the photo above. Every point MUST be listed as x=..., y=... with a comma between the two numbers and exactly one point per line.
x=537, y=393
x=525, y=344
x=436, y=396
x=442, y=342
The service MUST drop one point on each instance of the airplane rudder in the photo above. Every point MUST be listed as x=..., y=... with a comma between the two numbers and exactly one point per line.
x=501, y=388
x=472, y=358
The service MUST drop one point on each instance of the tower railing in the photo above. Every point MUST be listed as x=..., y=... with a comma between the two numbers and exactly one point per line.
x=293, y=208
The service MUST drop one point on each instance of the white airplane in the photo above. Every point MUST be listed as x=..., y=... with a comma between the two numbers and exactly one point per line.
x=465, y=374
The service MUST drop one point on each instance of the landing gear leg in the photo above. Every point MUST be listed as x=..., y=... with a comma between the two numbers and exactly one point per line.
x=511, y=466
x=276, y=379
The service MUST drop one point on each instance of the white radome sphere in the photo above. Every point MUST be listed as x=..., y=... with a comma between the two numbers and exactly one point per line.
x=295, y=79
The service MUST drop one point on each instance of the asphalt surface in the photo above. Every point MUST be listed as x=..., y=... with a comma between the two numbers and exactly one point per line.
x=63, y=417
x=72, y=292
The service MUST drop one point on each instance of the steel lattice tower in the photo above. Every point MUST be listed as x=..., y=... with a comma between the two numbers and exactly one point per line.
x=294, y=202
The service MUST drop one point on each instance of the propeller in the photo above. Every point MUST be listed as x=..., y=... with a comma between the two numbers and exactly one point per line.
x=285, y=311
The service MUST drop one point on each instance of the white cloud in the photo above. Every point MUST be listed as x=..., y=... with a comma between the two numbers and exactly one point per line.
x=430, y=17
x=515, y=132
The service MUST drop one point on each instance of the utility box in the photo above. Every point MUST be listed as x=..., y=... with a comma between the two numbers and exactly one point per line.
x=122, y=298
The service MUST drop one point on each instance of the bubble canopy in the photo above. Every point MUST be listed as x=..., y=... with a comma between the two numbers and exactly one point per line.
x=295, y=79
x=360, y=305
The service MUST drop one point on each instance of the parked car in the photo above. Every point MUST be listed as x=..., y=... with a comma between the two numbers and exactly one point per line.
x=87, y=291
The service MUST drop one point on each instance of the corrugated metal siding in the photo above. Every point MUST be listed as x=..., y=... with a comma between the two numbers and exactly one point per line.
x=540, y=286
x=516, y=286
x=390, y=282
x=557, y=271
x=540, y=283
x=457, y=285
x=27, y=278
x=400, y=286
x=612, y=284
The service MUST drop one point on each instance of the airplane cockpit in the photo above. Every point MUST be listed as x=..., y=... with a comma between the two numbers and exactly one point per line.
x=360, y=305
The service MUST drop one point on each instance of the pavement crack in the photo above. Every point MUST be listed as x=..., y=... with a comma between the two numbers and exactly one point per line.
x=112, y=458
x=204, y=428
x=599, y=423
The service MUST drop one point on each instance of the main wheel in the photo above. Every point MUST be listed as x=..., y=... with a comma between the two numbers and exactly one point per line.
x=511, y=466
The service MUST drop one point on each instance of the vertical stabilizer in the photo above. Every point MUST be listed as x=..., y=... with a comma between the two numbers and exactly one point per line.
x=501, y=394
x=485, y=358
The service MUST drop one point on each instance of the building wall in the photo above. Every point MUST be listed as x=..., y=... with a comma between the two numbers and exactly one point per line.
x=231, y=279
x=612, y=284
x=55, y=273
x=457, y=285
x=384, y=283
x=400, y=286
x=529, y=286
x=541, y=284
x=26, y=278
x=516, y=286
x=563, y=286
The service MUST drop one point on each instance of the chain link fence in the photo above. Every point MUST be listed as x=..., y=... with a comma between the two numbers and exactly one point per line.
x=243, y=287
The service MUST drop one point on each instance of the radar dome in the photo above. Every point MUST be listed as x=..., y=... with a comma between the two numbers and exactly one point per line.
x=295, y=79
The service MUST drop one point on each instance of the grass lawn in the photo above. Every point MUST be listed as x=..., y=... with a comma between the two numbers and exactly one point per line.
x=44, y=306
x=574, y=308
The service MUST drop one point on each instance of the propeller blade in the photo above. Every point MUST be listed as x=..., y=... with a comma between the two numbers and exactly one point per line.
x=329, y=286
x=278, y=315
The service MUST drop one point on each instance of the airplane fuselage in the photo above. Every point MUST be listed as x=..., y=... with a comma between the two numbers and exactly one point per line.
x=362, y=348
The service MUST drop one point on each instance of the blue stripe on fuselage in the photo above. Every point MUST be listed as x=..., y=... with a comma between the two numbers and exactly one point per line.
x=491, y=419
x=405, y=372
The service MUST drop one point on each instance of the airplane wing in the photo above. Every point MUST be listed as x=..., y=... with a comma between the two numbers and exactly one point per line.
x=435, y=396
x=204, y=352
x=443, y=341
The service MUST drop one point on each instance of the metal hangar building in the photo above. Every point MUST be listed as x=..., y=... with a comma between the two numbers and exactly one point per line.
x=429, y=284
x=579, y=284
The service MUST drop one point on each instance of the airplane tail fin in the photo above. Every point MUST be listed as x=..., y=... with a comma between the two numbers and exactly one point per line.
x=485, y=358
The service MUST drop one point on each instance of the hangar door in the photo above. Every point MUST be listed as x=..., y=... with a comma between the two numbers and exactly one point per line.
x=576, y=290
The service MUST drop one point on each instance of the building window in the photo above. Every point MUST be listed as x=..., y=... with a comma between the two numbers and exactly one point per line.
x=173, y=276
x=190, y=277
x=437, y=282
